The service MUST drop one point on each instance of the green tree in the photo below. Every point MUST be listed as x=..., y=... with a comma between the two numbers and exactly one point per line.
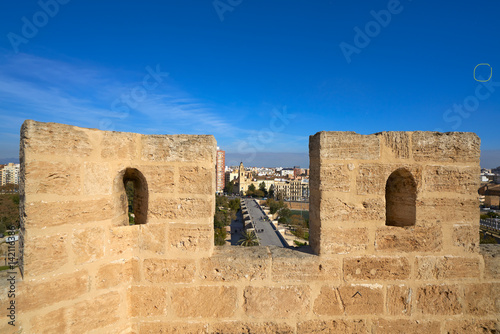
x=271, y=191
x=229, y=187
x=262, y=187
x=220, y=236
x=249, y=239
x=251, y=190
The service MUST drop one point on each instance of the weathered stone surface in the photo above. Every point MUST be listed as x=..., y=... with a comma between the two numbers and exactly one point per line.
x=379, y=268
x=338, y=145
x=147, y=301
x=115, y=273
x=336, y=212
x=362, y=299
x=186, y=148
x=191, y=237
x=334, y=177
x=181, y=208
x=55, y=139
x=118, y=145
x=58, y=178
x=398, y=142
x=205, y=301
x=236, y=263
x=399, y=300
x=460, y=180
x=328, y=302
x=44, y=254
x=405, y=326
x=482, y=299
x=449, y=147
x=466, y=236
x=289, y=265
x=448, y=210
x=446, y=267
x=344, y=240
x=97, y=179
x=123, y=239
x=102, y=311
x=152, y=237
x=88, y=244
x=472, y=326
x=61, y=287
x=408, y=239
x=371, y=179
x=491, y=256
x=439, y=300
x=160, y=179
x=332, y=327
x=52, y=322
x=47, y=214
x=240, y=327
x=280, y=302
x=174, y=270
x=172, y=328
x=196, y=180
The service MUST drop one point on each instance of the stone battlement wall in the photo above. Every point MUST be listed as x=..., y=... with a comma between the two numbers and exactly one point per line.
x=394, y=229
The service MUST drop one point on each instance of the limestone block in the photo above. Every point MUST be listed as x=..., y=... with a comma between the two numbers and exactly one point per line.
x=376, y=268
x=466, y=236
x=52, y=322
x=399, y=300
x=482, y=299
x=180, y=208
x=97, y=179
x=335, y=211
x=205, y=301
x=123, y=239
x=409, y=239
x=48, y=214
x=88, y=244
x=147, y=301
x=95, y=313
x=362, y=299
x=334, y=177
x=115, y=273
x=152, y=237
x=328, y=302
x=344, y=240
x=118, y=146
x=491, y=256
x=163, y=270
x=447, y=210
x=439, y=299
x=477, y=326
x=293, y=266
x=338, y=326
x=446, y=267
x=230, y=327
x=344, y=145
x=458, y=147
x=42, y=177
x=398, y=142
x=160, y=179
x=55, y=139
x=44, y=254
x=191, y=237
x=196, y=180
x=459, y=180
x=185, y=148
x=38, y=294
x=172, y=328
x=287, y=301
x=405, y=326
x=235, y=264
x=371, y=179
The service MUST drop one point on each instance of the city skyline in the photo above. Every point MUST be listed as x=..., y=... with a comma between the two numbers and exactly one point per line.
x=261, y=77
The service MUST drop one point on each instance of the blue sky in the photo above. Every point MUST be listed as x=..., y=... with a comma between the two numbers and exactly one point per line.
x=261, y=76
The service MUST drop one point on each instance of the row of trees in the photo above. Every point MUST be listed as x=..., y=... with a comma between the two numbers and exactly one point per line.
x=225, y=211
x=9, y=211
